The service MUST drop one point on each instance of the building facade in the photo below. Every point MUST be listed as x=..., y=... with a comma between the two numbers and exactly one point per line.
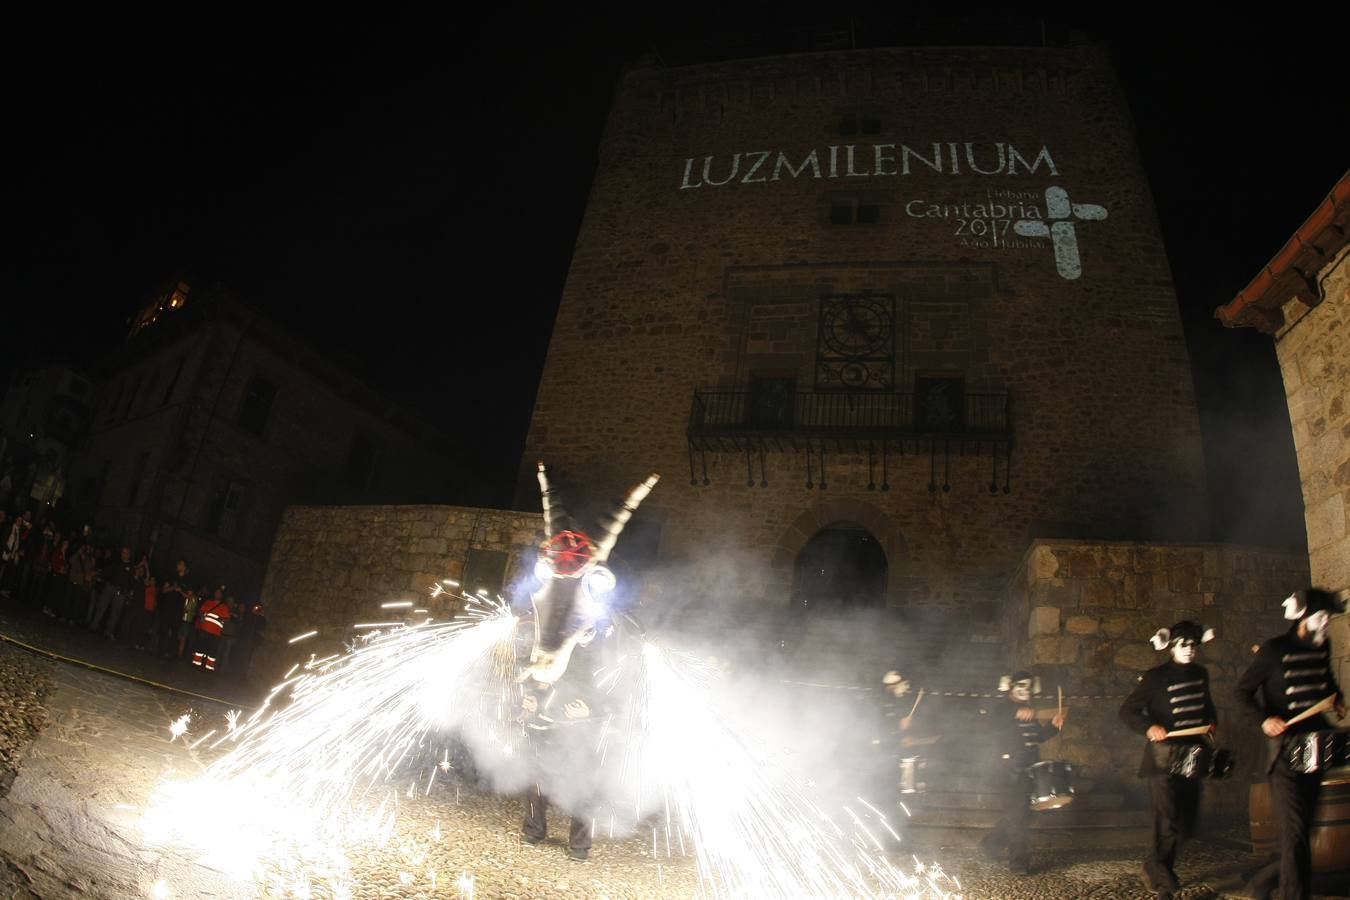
x=43, y=418
x=1302, y=299
x=213, y=419
x=916, y=296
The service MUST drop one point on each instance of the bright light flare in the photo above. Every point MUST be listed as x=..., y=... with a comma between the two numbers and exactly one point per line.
x=753, y=833
x=306, y=781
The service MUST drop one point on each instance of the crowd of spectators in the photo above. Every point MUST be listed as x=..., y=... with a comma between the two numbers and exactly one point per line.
x=153, y=607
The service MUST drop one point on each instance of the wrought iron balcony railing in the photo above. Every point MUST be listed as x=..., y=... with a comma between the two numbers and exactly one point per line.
x=932, y=412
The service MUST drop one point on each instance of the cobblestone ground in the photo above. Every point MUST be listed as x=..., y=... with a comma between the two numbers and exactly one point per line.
x=24, y=686
x=69, y=825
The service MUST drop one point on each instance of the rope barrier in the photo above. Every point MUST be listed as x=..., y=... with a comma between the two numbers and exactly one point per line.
x=974, y=695
x=9, y=639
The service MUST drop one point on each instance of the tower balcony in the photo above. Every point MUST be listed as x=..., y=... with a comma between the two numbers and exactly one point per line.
x=935, y=416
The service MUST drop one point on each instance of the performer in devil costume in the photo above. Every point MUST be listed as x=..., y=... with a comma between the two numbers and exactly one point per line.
x=563, y=721
x=1290, y=674
x=1016, y=739
x=1171, y=697
x=558, y=697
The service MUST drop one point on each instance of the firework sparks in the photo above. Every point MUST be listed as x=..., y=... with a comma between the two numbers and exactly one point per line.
x=306, y=781
x=753, y=834
x=323, y=770
x=179, y=726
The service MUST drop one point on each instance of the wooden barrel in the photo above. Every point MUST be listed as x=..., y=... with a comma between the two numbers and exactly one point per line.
x=1330, y=826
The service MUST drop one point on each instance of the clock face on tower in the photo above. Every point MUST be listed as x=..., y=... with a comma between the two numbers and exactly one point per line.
x=858, y=327
x=855, y=346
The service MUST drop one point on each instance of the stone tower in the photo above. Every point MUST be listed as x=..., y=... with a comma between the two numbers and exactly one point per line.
x=919, y=295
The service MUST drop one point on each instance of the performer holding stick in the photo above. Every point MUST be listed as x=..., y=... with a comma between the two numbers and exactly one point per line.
x=1016, y=742
x=1171, y=706
x=1289, y=676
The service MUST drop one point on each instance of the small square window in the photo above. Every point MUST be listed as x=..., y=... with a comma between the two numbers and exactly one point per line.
x=257, y=405
x=841, y=213
x=871, y=126
x=848, y=125
x=868, y=213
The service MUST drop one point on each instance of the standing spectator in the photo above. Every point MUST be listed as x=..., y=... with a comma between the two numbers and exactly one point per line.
x=42, y=567
x=169, y=608
x=230, y=634
x=250, y=635
x=56, y=588
x=147, y=636
x=12, y=553
x=135, y=619
x=211, y=619
x=190, y=600
x=102, y=558
x=79, y=583
x=31, y=544
x=119, y=578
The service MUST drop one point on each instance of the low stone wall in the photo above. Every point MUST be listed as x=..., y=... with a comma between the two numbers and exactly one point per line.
x=1080, y=614
x=332, y=566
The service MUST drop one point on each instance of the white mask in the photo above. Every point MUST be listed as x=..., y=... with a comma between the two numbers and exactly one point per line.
x=1021, y=691
x=1184, y=651
x=1316, y=625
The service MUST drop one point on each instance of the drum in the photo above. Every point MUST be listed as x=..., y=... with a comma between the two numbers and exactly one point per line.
x=911, y=767
x=1317, y=751
x=1051, y=784
x=1199, y=761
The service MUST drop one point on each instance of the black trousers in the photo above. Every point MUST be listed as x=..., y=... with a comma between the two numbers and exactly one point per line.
x=535, y=825
x=1293, y=799
x=1175, y=803
x=168, y=622
x=1011, y=829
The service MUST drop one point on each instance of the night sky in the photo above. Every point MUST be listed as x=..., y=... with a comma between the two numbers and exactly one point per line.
x=405, y=192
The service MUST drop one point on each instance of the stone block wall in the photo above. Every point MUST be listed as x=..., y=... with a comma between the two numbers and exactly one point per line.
x=1316, y=368
x=332, y=566
x=1080, y=614
x=682, y=283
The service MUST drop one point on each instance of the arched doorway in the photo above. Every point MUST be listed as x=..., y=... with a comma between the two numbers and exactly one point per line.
x=842, y=567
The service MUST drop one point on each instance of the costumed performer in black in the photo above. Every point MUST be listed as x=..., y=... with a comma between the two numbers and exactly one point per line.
x=1016, y=740
x=1168, y=698
x=1292, y=674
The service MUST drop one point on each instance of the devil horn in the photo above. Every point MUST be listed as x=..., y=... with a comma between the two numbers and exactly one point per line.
x=554, y=513
x=1293, y=606
x=622, y=515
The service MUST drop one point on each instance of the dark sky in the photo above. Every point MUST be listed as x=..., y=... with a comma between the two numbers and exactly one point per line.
x=405, y=192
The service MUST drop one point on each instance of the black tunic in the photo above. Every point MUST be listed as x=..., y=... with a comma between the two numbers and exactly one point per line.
x=1174, y=696
x=1287, y=676
x=1016, y=742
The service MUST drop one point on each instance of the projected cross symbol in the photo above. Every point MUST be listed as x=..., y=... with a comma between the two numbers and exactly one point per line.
x=1062, y=233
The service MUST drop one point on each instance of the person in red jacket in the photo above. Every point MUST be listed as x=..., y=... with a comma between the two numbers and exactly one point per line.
x=211, y=617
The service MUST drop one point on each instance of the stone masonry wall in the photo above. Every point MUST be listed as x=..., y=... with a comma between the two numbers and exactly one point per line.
x=681, y=283
x=1081, y=613
x=332, y=566
x=1316, y=367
